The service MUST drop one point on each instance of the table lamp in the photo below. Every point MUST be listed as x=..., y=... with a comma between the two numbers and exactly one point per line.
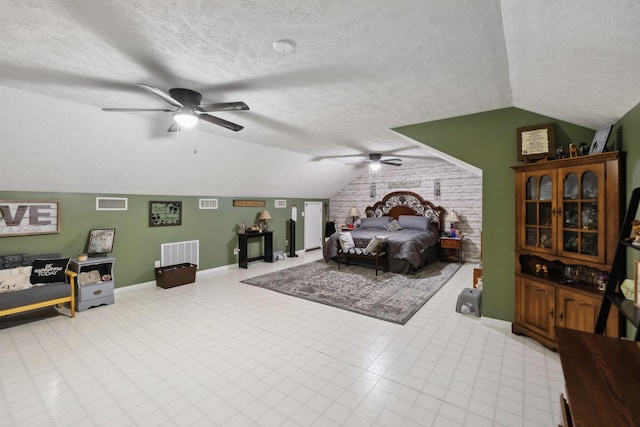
x=452, y=217
x=353, y=213
x=264, y=216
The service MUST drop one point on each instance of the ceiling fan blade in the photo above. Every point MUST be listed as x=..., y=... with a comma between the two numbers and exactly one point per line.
x=174, y=127
x=157, y=92
x=136, y=109
x=220, y=122
x=396, y=159
x=223, y=106
x=390, y=163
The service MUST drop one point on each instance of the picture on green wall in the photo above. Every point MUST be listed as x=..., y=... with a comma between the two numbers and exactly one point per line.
x=165, y=213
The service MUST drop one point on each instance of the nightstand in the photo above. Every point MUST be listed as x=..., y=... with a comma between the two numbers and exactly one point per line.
x=449, y=245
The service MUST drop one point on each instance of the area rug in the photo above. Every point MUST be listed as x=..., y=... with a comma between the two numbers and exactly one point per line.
x=389, y=296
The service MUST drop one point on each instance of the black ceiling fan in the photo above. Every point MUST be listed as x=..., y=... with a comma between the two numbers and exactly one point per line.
x=188, y=109
x=377, y=158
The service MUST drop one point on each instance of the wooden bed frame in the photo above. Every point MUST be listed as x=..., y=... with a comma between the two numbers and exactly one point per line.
x=408, y=203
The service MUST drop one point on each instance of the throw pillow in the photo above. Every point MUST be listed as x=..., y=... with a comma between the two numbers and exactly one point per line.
x=393, y=226
x=346, y=241
x=377, y=222
x=372, y=247
x=16, y=280
x=414, y=221
x=49, y=270
x=13, y=261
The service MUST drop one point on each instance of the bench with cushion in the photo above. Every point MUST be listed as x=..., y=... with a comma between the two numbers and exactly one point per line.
x=375, y=250
x=32, y=282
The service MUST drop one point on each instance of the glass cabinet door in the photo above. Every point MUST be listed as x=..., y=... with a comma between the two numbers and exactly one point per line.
x=582, y=213
x=538, y=212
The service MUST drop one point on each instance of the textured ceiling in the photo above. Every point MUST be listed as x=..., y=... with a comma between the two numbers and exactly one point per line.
x=360, y=68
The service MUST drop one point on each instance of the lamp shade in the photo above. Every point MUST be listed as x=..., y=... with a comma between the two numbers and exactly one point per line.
x=353, y=212
x=452, y=217
x=264, y=215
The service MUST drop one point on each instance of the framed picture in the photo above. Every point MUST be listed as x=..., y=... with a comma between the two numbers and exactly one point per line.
x=536, y=142
x=249, y=203
x=599, y=142
x=101, y=241
x=636, y=294
x=28, y=217
x=163, y=214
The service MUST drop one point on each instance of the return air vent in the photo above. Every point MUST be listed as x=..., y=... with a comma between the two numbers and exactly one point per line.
x=281, y=203
x=111, y=203
x=208, y=203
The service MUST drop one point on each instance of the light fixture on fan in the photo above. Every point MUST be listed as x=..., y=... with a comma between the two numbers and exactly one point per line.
x=375, y=166
x=185, y=120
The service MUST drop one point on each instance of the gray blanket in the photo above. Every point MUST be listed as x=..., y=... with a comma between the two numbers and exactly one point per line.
x=406, y=244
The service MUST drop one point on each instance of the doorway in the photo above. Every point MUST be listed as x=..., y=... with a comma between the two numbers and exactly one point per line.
x=312, y=225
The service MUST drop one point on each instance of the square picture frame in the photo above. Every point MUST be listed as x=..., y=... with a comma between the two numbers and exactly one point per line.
x=100, y=241
x=165, y=213
x=599, y=143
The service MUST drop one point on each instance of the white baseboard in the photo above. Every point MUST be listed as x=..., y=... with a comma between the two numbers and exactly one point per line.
x=153, y=283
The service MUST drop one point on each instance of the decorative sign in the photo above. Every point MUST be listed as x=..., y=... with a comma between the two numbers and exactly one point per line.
x=536, y=142
x=21, y=218
x=249, y=203
x=165, y=213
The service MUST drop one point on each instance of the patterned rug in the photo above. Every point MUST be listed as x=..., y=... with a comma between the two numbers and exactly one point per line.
x=389, y=296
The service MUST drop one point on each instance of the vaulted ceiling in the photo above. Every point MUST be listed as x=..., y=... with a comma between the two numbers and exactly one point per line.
x=359, y=69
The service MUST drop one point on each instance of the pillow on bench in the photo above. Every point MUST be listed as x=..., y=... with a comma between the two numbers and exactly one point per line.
x=374, y=243
x=15, y=279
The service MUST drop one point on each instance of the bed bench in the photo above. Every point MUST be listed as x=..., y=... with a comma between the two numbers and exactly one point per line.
x=379, y=255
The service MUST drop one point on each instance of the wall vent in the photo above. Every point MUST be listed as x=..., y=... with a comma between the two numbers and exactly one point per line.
x=179, y=253
x=281, y=203
x=208, y=203
x=111, y=203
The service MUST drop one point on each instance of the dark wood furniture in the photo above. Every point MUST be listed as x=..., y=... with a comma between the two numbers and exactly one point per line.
x=602, y=379
x=243, y=241
x=450, y=245
x=627, y=310
x=379, y=256
x=568, y=213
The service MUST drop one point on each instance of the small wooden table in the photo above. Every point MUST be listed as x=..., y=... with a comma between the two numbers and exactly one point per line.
x=243, y=240
x=451, y=244
x=602, y=379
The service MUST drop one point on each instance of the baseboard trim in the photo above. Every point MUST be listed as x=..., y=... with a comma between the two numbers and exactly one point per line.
x=153, y=282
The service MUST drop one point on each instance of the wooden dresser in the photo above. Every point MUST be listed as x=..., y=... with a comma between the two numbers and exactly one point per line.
x=602, y=379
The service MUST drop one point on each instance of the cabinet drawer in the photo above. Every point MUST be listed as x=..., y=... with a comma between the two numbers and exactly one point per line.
x=450, y=244
x=96, y=290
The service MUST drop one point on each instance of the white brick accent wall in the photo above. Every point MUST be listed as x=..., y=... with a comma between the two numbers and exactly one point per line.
x=460, y=190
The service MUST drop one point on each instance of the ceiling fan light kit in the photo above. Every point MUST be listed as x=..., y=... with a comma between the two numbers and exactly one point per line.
x=377, y=160
x=185, y=120
x=188, y=109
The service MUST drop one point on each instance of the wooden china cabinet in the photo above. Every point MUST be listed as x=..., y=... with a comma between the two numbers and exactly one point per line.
x=568, y=215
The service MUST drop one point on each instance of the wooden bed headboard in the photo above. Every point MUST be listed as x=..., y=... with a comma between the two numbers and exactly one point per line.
x=407, y=203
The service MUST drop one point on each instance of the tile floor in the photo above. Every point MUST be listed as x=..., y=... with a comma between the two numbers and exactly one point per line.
x=223, y=353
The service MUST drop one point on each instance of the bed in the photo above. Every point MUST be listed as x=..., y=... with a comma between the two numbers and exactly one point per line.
x=408, y=248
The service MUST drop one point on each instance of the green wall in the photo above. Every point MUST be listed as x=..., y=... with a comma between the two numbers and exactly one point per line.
x=137, y=246
x=489, y=141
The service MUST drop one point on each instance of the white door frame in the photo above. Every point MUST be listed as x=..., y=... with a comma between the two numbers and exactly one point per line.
x=313, y=230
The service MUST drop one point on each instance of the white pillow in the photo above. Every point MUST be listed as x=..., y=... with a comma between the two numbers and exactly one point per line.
x=374, y=243
x=346, y=241
x=15, y=282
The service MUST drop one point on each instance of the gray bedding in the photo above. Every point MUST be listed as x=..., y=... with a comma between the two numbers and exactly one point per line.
x=406, y=244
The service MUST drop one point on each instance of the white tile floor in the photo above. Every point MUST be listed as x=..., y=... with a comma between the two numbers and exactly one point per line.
x=223, y=353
